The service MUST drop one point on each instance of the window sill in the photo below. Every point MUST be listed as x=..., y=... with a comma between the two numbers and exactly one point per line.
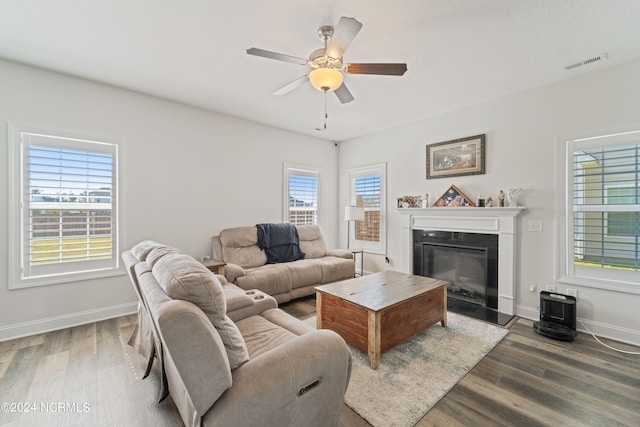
x=33, y=282
x=604, y=284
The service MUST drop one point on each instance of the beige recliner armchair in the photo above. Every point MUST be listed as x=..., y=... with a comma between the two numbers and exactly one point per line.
x=265, y=368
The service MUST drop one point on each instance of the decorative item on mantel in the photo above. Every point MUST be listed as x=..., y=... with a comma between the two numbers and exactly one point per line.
x=453, y=197
x=501, y=199
x=513, y=198
x=425, y=201
x=410, y=202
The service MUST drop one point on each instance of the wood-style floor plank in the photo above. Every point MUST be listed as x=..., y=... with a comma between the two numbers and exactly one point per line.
x=548, y=382
x=526, y=380
x=89, y=370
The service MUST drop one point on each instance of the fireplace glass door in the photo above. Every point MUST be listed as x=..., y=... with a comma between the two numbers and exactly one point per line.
x=465, y=268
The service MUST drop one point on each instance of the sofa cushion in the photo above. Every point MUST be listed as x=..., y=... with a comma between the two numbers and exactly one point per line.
x=240, y=246
x=312, y=241
x=160, y=251
x=284, y=320
x=334, y=269
x=184, y=278
x=304, y=272
x=142, y=249
x=150, y=251
x=262, y=335
x=272, y=279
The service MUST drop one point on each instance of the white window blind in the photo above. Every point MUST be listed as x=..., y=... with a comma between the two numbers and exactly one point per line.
x=68, y=209
x=606, y=205
x=367, y=195
x=302, y=196
x=367, y=190
x=603, y=211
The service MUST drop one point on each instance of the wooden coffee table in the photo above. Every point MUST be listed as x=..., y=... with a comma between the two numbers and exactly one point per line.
x=376, y=312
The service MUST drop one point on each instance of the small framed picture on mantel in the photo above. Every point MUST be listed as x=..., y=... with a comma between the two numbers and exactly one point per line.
x=458, y=157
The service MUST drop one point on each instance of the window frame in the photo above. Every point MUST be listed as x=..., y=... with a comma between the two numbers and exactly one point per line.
x=380, y=170
x=18, y=202
x=566, y=271
x=299, y=170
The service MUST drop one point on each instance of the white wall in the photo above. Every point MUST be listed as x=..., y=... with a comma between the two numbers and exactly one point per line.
x=521, y=152
x=187, y=174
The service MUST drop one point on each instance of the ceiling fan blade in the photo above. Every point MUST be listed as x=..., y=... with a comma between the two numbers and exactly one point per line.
x=343, y=94
x=382, y=69
x=291, y=86
x=343, y=35
x=275, y=55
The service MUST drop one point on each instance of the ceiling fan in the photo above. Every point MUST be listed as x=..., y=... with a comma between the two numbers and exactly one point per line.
x=326, y=67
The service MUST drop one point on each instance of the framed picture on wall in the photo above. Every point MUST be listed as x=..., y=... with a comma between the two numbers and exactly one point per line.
x=458, y=157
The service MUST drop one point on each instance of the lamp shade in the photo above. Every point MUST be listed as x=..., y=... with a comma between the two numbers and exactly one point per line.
x=353, y=213
x=325, y=79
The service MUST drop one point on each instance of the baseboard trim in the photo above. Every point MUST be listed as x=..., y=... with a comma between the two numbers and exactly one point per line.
x=24, y=329
x=602, y=330
x=530, y=313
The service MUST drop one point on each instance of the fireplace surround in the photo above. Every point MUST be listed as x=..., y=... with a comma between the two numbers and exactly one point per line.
x=496, y=221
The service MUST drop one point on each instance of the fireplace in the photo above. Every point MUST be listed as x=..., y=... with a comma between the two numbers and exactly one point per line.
x=468, y=261
x=485, y=239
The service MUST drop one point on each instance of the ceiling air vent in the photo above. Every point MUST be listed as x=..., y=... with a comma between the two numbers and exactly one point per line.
x=597, y=58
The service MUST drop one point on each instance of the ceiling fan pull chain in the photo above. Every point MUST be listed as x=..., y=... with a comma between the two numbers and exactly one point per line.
x=326, y=115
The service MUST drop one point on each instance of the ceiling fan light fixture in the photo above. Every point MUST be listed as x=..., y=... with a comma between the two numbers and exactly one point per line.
x=325, y=79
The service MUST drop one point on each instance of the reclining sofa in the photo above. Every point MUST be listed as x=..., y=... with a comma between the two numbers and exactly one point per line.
x=248, y=266
x=229, y=356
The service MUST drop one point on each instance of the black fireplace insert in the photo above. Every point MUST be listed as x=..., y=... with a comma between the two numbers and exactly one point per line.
x=469, y=262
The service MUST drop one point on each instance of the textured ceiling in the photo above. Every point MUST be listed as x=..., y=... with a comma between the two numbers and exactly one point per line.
x=459, y=52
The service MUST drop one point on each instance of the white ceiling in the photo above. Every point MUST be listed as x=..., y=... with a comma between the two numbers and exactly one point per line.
x=459, y=52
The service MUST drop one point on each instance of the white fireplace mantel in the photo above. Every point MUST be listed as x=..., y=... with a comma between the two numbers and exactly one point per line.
x=500, y=221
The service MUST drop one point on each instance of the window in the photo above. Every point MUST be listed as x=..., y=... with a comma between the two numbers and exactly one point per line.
x=367, y=190
x=301, y=200
x=63, y=208
x=602, y=214
x=622, y=224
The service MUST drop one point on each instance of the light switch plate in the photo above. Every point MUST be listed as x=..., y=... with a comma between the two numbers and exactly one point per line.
x=535, y=226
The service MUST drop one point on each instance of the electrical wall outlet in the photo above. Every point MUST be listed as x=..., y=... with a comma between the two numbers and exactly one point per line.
x=551, y=288
x=533, y=287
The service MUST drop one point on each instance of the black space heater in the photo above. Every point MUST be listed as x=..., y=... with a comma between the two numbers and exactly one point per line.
x=557, y=316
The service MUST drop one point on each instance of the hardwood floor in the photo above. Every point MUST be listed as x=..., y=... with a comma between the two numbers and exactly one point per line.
x=82, y=376
x=531, y=380
x=88, y=376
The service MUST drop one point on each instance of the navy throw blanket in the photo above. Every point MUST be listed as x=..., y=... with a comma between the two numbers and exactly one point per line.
x=280, y=242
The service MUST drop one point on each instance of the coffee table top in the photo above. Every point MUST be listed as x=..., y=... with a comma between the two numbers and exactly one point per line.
x=381, y=290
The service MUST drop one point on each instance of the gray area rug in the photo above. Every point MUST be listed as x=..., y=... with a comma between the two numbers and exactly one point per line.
x=415, y=375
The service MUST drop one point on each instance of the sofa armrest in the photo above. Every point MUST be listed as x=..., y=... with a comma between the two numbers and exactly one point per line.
x=340, y=253
x=187, y=335
x=259, y=303
x=233, y=271
x=278, y=378
x=236, y=298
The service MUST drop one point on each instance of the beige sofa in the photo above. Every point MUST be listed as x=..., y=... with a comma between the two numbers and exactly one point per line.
x=246, y=263
x=264, y=367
